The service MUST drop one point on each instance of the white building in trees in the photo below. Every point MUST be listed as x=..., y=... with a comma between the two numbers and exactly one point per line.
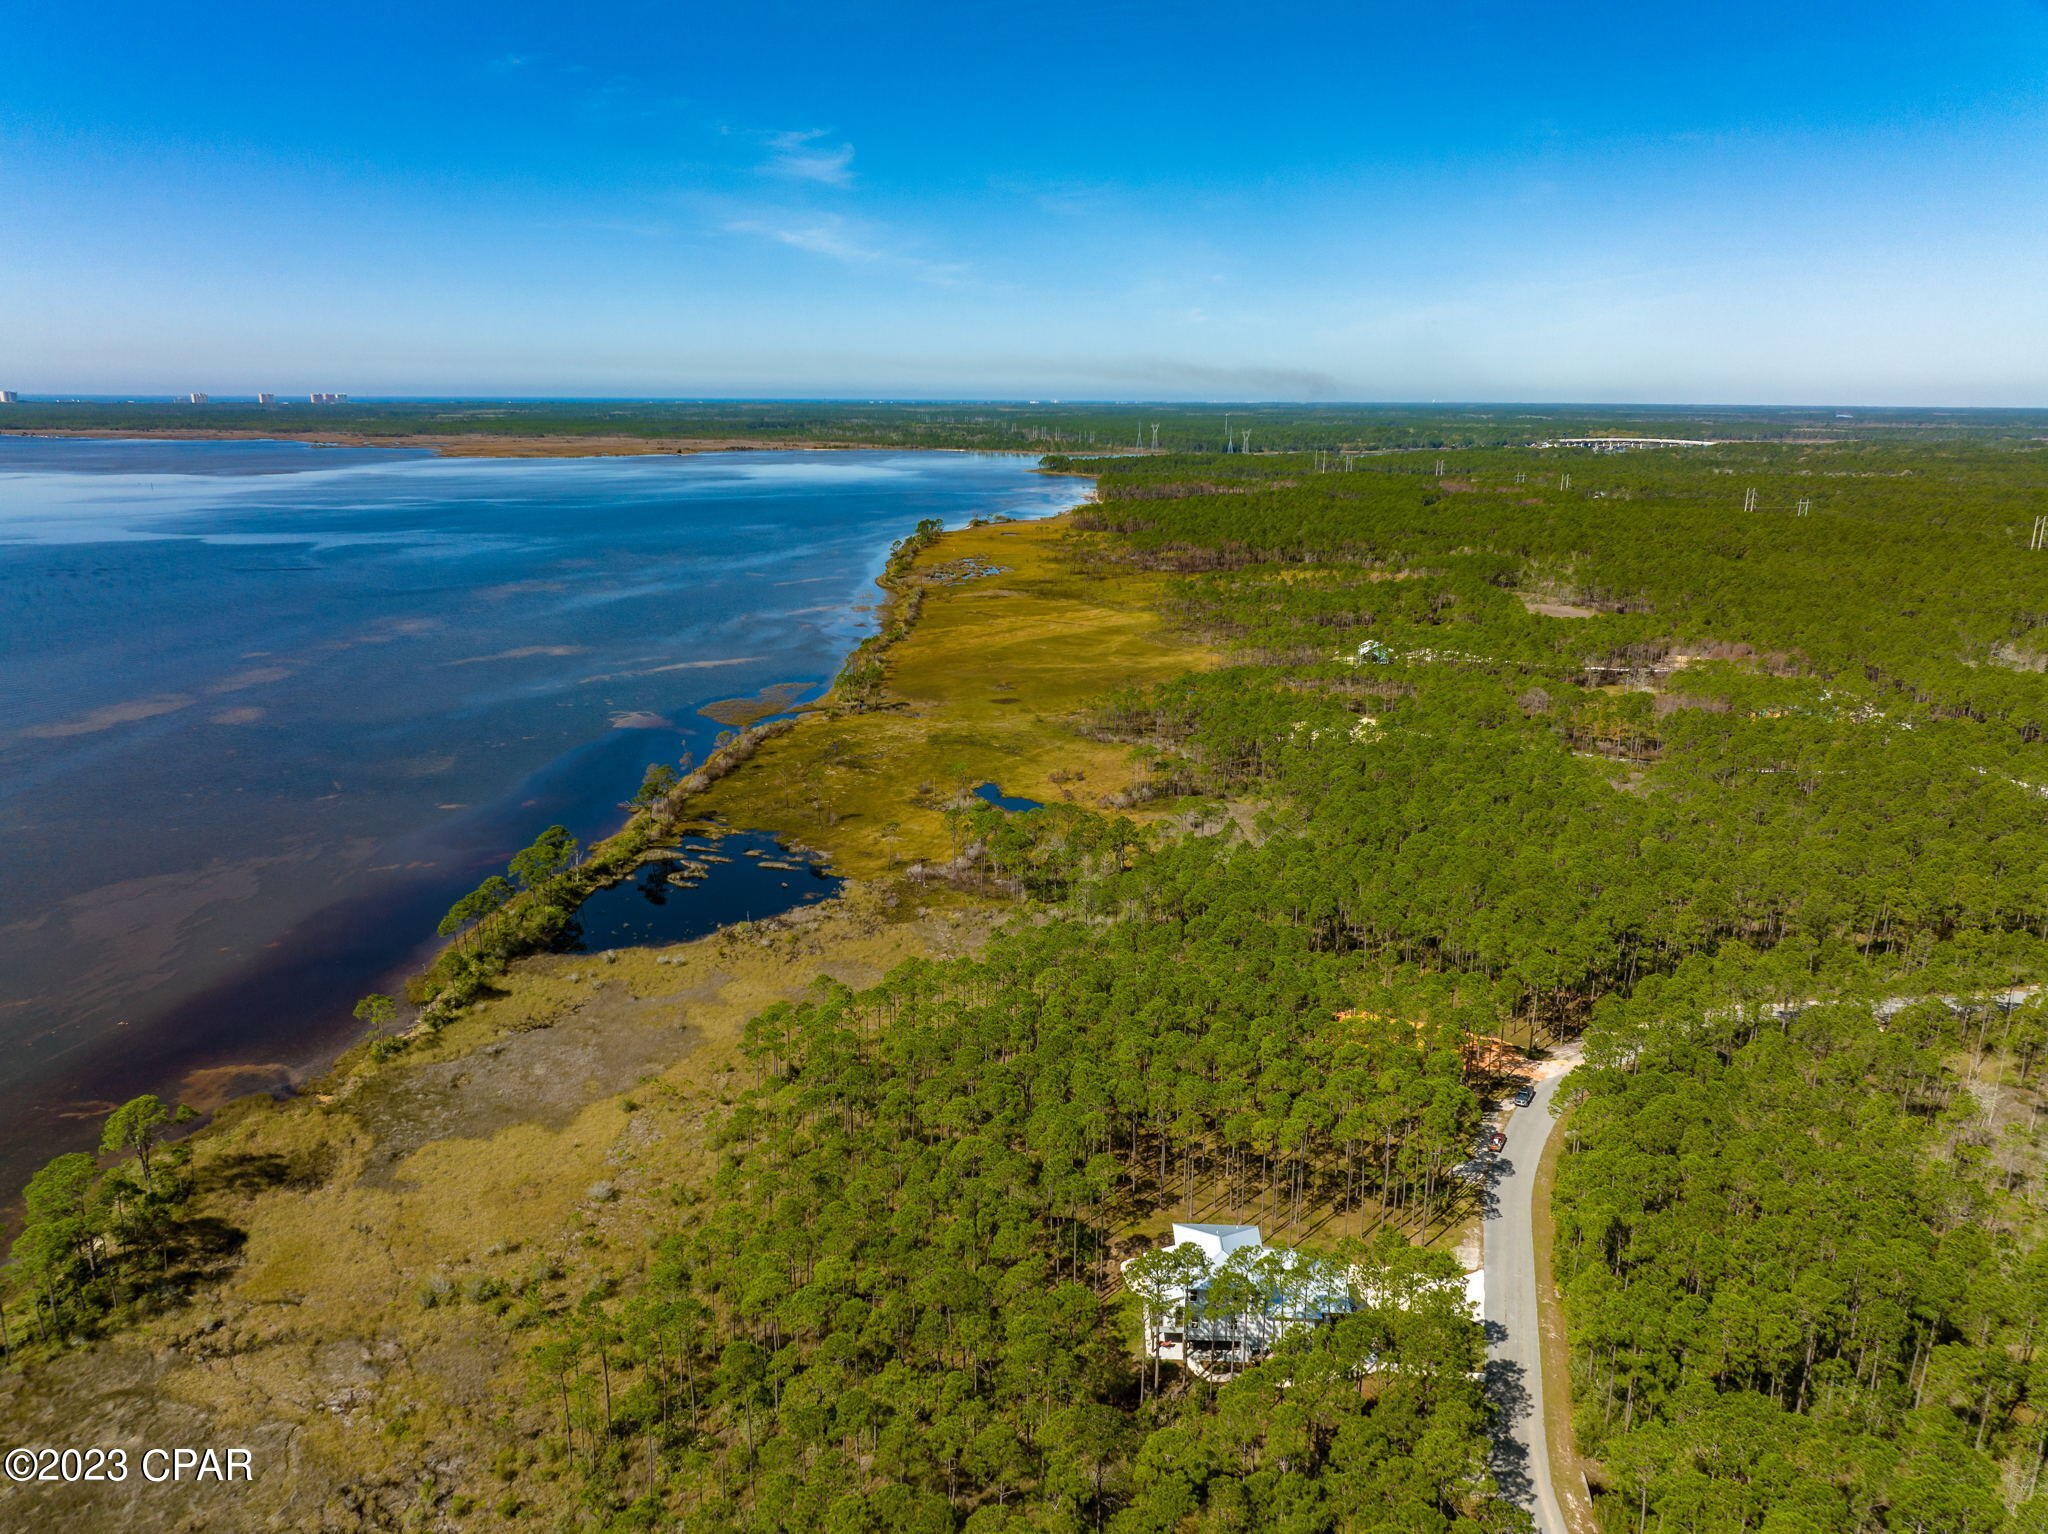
x=1217, y=1298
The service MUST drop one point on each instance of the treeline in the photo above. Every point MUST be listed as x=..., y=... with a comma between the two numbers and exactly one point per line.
x=531, y=907
x=528, y=908
x=1082, y=428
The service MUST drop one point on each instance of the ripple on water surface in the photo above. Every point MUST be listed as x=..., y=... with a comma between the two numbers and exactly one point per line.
x=708, y=882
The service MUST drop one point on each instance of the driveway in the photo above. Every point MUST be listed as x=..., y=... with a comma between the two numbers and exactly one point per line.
x=1514, y=1353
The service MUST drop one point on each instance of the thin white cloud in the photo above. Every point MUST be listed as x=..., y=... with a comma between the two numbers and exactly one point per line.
x=823, y=236
x=803, y=156
x=841, y=239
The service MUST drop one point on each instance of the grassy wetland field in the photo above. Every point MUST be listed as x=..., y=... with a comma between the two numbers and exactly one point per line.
x=1017, y=627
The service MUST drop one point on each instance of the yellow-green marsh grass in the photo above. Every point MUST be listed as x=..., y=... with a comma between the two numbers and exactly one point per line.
x=986, y=687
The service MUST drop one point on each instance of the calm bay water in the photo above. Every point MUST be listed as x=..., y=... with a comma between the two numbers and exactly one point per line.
x=266, y=709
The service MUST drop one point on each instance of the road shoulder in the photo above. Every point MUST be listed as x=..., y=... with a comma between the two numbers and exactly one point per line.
x=1567, y=1473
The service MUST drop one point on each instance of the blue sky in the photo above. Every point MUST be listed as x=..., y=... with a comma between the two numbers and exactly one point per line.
x=1464, y=200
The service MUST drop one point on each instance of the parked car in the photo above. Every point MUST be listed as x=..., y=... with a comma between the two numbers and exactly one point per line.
x=1525, y=1096
x=1497, y=1141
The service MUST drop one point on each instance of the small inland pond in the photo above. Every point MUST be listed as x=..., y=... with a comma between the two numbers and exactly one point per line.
x=989, y=793
x=707, y=882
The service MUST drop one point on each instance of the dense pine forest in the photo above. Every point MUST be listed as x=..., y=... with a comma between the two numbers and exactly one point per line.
x=1726, y=761
x=1727, y=788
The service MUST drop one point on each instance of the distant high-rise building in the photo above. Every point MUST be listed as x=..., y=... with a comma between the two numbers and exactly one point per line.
x=266, y=399
x=9, y=397
x=197, y=399
x=327, y=399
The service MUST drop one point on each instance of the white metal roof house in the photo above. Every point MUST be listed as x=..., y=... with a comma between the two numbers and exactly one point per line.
x=1216, y=1242
x=1217, y=1297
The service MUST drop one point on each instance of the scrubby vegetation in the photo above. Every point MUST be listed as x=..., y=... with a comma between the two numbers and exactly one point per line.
x=859, y=683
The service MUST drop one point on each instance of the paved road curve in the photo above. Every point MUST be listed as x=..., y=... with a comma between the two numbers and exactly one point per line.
x=1514, y=1366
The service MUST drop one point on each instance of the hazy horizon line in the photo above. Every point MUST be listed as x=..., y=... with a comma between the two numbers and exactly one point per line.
x=41, y=397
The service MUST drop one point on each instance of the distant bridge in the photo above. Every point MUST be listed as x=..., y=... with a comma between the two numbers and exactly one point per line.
x=1623, y=444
